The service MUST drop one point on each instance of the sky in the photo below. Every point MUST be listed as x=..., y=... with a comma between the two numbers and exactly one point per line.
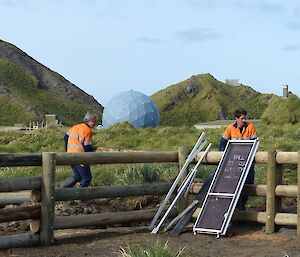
x=109, y=46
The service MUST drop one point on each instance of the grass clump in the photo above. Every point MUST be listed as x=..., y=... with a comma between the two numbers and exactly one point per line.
x=156, y=249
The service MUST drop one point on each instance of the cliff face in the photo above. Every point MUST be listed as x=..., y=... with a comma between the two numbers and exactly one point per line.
x=27, y=85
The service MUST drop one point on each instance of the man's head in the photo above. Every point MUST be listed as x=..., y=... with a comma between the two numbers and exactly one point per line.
x=90, y=119
x=240, y=117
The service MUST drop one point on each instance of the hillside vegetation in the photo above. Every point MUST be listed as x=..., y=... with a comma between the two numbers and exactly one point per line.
x=29, y=90
x=123, y=136
x=202, y=98
x=282, y=111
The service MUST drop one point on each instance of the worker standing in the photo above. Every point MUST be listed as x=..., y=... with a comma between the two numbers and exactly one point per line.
x=240, y=130
x=78, y=139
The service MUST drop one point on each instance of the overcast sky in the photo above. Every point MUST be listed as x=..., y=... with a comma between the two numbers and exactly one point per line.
x=108, y=46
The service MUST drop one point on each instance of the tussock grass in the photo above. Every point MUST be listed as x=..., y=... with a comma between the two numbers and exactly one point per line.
x=155, y=249
x=124, y=136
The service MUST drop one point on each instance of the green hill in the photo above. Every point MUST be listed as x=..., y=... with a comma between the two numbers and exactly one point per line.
x=282, y=110
x=202, y=98
x=29, y=90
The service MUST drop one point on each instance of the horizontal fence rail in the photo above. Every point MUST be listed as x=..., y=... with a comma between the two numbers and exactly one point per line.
x=67, y=194
x=109, y=218
x=287, y=219
x=42, y=192
x=20, y=213
x=8, y=160
x=20, y=183
x=258, y=190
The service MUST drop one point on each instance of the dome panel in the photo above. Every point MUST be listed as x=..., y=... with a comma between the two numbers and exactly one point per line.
x=136, y=108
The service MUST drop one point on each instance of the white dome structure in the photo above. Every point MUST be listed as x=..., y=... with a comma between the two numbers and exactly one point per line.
x=136, y=108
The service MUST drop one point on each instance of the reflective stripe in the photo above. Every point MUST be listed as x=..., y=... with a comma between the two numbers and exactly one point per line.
x=227, y=138
x=75, y=146
x=87, y=143
x=253, y=137
x=76, y=137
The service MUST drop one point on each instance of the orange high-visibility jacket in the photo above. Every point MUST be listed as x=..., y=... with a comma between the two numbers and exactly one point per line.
x=233, y=132
x=80, y=135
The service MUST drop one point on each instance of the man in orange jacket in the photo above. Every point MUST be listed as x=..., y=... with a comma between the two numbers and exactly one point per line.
x=240, y=130
x=78, y=139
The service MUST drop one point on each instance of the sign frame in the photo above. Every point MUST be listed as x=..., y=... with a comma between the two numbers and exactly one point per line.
x=212, y=199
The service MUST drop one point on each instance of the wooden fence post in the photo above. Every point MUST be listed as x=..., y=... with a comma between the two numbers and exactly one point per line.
x=48, y=202
x=270, y=197
x=298, y=196
x=182, y=156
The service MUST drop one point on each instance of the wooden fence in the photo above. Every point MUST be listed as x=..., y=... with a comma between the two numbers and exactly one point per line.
x=43, y=193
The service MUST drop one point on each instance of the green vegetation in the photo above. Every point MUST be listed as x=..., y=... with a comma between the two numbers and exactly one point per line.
x=203, y=98
x=151, y=250
x=282, y=110
x=25, y=100
x=124, y=136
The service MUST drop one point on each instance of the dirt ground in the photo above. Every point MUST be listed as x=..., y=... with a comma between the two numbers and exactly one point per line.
x=242, y=240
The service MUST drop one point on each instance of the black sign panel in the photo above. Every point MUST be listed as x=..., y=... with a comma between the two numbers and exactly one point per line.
x=215, y=207
x=232, y=168
x=226, y=187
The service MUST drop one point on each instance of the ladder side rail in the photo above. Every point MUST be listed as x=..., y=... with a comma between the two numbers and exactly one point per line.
x=155, y=229
x=193, y=157
x=195, y=172
x=173, y=187
x=240, y=185
x=210, y=187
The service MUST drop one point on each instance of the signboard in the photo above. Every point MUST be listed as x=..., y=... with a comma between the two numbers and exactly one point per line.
x=226, y=187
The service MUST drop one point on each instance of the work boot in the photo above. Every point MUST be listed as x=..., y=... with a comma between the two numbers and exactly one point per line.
x=69, y=183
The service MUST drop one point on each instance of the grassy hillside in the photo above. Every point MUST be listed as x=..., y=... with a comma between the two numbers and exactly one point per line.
x=283, y=110
x=203, y=98
x=23, y=101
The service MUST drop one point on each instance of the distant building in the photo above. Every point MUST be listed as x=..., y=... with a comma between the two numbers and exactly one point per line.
x=285, y=89
x=51, y=120
x=232, y=82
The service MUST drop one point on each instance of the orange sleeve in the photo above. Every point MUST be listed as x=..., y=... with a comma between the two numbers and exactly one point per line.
x=88, y=137
x=227, y=133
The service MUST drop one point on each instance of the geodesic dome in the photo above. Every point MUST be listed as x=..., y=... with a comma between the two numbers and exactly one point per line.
x=136, y=108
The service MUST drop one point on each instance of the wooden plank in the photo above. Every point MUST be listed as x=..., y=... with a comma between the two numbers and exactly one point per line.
x=14, y=197
x=270, y=197
x=285, y=219
x=287, y=157
x=260, y=157
x=259, y=190
x=47, y=207
x=20, y=213
x=67, y=194
x=14, y=159
x=20, y=183
x=77, y=221
x=211, y=157
x=116, y=157
x=20, y=240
